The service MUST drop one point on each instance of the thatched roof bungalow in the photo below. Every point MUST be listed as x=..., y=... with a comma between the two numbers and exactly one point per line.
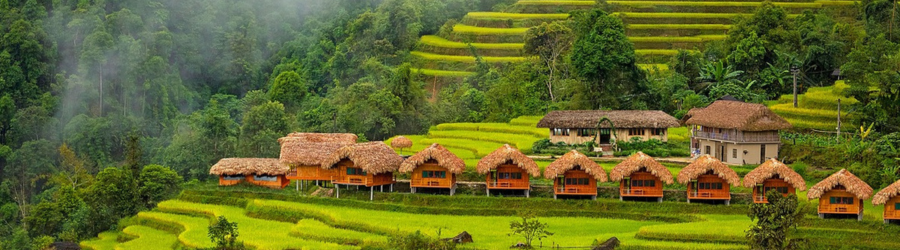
x=367, y=164
x=575, y=174
x=773, y=175
x=640, y=175
x=840, y=193
x=268, y=172
x=707, y=178
x=735, y=132
x=508, y=168
x=401, y=142
x=890, y=198
x=304, y=153
x=430, y=168
x=580, y=126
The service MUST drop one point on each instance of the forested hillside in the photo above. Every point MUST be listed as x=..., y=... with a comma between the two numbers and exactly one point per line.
x=107, y=106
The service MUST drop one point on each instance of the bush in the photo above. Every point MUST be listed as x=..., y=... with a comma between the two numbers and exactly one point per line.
x=419, y=241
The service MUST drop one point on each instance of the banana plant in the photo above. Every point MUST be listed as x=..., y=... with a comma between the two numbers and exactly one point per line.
x=863, y=132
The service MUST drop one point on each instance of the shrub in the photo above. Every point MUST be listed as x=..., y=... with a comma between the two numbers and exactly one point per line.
x=418, y=241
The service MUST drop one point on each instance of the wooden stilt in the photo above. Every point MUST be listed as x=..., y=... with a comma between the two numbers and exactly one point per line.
x=298, y=186
x=372, y=193
x=338, y=189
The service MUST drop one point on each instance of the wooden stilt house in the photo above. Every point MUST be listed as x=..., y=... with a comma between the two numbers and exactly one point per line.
x=842, y=193
x=267, y=172
x=508, y=169
x=890, y=198
x=640, y=176
x=433, y=167
x=707, y=178
x=304, y=152
x=773, y=175
x=367, y=164
x=575, y=174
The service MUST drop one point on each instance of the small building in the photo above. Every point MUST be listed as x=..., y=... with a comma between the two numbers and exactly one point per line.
x=575, y=174
x=890, y=198
x=735, y=132
x=842, y=193
x=304, y=152
x=401, y=142
x=709, y=179
x=640, y=176
x=267, y=172
x=507, y=169
x=580, y=126
x=773, y=175
x=433, y=167
x=367, y=164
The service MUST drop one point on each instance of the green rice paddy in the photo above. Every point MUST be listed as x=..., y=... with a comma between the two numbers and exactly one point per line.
x=104, y=241
x=436, y=72
x=147, y=238
x=680, y=26
x=467, y=59
x=504, y=15
x=817, y=108
x=673, y=39
x=444, y=43
x=467, y=29
x=532, y=2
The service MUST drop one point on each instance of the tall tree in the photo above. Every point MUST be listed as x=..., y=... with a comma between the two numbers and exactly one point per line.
x=550, y=42
x=774, y=220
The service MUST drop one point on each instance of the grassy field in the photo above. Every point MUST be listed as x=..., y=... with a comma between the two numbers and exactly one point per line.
x=104, y=241
x=285, y=220
x=467, y=59
x=817, y=108
x=147, y=238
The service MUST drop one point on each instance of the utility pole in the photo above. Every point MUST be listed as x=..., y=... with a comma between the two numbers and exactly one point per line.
x=839, y=119
x=794, y=71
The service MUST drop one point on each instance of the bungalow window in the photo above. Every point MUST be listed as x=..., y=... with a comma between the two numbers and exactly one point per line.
x=514, y=176
x=265, y=178
x=782, y=190
x=707, y=149
x=658, y=131
x=897, y=206
x=434, y=174
x=710, y=185
x=643, y=183
x=355, y=171
x=734, y=153
x=577, y=181
x=635, y=132
x=587, y=132
x=233, y=177
x=561, y=131
x=841, y=200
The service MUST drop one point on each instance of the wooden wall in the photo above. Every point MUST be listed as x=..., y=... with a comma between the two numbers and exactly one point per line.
x=509, y=183
x=311, y=173
x=760, y=197
x=890, y=211
x=574, y=189
x=654, y=191
x=825, y=206
x=280, y=181
x=416, y=179
x=709, y=194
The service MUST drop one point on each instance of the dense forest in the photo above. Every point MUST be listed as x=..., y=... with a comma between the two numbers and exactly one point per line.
x=106, y=107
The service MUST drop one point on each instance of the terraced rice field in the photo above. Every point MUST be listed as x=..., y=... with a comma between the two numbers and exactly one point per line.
x=323, y=223
x=471, y=141
x=817, y=108
x=658, y=30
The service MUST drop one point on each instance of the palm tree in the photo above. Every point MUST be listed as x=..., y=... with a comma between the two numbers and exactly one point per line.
x=716, y=73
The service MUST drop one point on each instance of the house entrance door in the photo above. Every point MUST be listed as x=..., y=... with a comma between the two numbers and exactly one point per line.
x=605, y=136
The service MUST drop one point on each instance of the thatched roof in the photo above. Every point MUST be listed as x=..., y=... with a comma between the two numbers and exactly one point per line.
x=736, y=115
x=309, y=149
x=853, y=184
x=706, y=164
x=886, y=194
x=638, y=161
x=506, y=154
x=373, y=157
x=444, y=158
x=619, y=118
x=401, y=142
x=246, y=166
x=572, y=159
x=773, y=168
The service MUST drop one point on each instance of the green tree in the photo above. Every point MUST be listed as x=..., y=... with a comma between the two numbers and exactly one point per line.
x=156, y=183
x=224, y=233
x=604, y=58
x=550, y=42
x=261, y=128
x=714, y=74
x=873, y=73
x=289, y=89
x=774, y=221
x=530, y=229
